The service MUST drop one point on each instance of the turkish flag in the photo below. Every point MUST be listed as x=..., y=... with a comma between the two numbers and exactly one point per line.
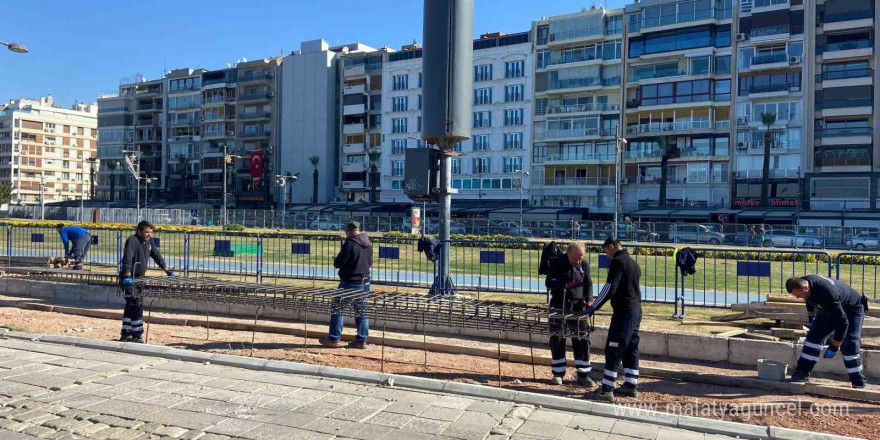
x=256, y=163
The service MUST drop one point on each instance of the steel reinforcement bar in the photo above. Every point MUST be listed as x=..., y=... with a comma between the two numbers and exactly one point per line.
x=421, y=310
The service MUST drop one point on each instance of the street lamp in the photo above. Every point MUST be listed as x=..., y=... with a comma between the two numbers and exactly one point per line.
x=618, y=156
x=227, y=159
x=42, y=196
x=135, y=171
x=82, y=195
x=522, y=182
x=15, y=47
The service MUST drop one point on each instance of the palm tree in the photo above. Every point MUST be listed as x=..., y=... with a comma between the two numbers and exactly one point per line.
x=666, y=149
x=111, y=165
x=374, y=175
x=314, y=160
x=768, y=119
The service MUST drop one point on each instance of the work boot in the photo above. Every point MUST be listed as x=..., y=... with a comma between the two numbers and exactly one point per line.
x=799, y=377
x=627, y=390
x=136, y=340
x=586, y=381
x=604, y=393
x=360, y=345
x=557, y=380
x=860, y=386
x=330, y=344
x=125, y=338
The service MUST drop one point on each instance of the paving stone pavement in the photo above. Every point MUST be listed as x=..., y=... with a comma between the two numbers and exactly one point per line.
x=52, y=391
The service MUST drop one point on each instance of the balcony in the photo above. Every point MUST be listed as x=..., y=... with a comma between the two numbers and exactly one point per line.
x=774, y=174
x=218, y=134
x=182, y=123
x=353, y=184
x=671, y=73
x=770, y=61
x=576, y=83
x=844, y=132
x=256, y=97
x=353, y=148
x=256, y=76
x=843, y=158
x=218, y=100
x=571, y=133
x=148, y=108
x=254, y=134
x=769, y=5
x=574, y=34
x=355, y=70
x=770, y=33
x=356, y=89
x=354, y=167
x=146, y=123
x=836, y=77
x=662, y=127
x=847, y=20
x=356, y=128
x=685, y=17
x=578, y=157
x=257, y=115
x=847, y=49
x=184, y=138
x=574, y=181
x=582, y=108
x=778, y=147
x=771, y=89
x=356, y=109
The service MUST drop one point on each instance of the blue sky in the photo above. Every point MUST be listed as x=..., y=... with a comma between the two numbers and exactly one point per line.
x=85, y=47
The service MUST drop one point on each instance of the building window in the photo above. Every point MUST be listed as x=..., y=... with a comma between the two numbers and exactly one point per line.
x=420, y=102
x=420, y=80
x=400, y=82
x=456, y=165
x=483, y=73
x=482, y=142
x=538, y=153
x=397, y=168
x=722, y=65
x=513, y=141
x=514, y=69
x=483, y=96
x=398, y=146
x=512, y=164
x=482, y=165
x=399, y=104
x=784, y=111
x=513, y=117
x=418, y=123
x=482, y=119
x=398, y=125
x=513, y=93
x=543, y=58
x=396, y=184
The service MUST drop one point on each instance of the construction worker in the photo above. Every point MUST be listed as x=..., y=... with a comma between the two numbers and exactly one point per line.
x=571, y=291
x=834, y=309
x=622, y=289
x=81, y=241
x=138, y=250
x=354, y=261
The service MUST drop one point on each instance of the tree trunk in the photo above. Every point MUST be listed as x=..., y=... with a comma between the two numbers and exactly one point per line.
x=112, y=187
x=765, y=176
x=664, y=176
x=315, y=186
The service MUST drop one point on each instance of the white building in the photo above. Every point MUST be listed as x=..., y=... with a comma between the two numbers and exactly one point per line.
x=494, y=160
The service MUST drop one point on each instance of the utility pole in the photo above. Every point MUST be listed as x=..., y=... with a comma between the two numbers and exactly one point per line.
x=227, y=159
x=42, y=196
x=522, y=181
x=618, y=156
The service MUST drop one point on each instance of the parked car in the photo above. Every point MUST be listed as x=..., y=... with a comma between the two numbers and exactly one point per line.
x=695, y=233
x=788, y=238
x=627, y=234
x=511, y=228
x=327, y=225
x=865, y=240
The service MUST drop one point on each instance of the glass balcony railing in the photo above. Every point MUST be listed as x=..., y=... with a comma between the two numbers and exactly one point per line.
x=770, y=58
x=575, y=33
x=769, y=88
x=848, y=45
x=768, y=31
x=657, y=127
x=640, y=154
x=844, y=74
x=575, y=181
x=579, y=157
x=774, y=174
x=583, y=82
x=857, y=15
x=682, y=17
x=844, y=132
x=664, y=73
x=578, y=108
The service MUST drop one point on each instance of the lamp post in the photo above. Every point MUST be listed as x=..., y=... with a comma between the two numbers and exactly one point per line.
x=42, y=196
x=15, y=47
x=227, y=159
x=621, y=142
x=135, y=170
x=82, y=195
x=522, y=181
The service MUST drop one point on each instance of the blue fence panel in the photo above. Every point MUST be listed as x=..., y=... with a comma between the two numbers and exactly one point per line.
x=391, y=253
x=398, y=262
x=301, y=256
x=604, y=262
x=657, y=263
x=489, y=266
x=492, y=257
x=300, y=248
x=752, y=269
x=37, y=238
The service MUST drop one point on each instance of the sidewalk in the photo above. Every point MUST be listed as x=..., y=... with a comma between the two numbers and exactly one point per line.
x=48, y=390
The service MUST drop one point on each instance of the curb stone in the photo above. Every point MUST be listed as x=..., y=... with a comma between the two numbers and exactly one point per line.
x=707, y=426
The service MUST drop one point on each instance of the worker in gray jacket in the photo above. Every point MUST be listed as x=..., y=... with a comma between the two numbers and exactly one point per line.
x=136, y=255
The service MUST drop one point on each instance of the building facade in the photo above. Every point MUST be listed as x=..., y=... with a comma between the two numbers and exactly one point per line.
x=494, y=163
x=47, y=152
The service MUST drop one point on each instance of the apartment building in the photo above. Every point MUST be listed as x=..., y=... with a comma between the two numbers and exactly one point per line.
x=578, y=77
x=843, y=104
x=257, y=113
x=494, y=163
x=678, y=105
x=183, y=125
x=197, y=171
x=361, y=123
x=47, y=152
x=770, y=103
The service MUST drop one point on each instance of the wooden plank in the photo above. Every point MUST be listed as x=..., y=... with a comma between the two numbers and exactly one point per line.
x=731, y=317
x=758, y=336
x=732, y=333
x=717, y=324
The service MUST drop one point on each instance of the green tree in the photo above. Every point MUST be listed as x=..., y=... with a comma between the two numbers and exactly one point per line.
x=5, y=193
x=314, y=160
x=666, y=149
x=111, y=166
x=183, y=169
x=768, y=119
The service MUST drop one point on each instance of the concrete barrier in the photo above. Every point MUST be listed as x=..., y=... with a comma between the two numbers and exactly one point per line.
x=871, y=362
x=653, y=343
x=704, y=348
x=747, y=351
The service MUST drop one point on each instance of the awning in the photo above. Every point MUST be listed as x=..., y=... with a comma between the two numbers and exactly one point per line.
x=692, y=213
x=727, y=211
x=752, y=213
x=652, y=213
x=774, y=213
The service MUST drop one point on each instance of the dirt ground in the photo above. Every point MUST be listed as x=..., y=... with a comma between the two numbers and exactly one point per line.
x=859, y=419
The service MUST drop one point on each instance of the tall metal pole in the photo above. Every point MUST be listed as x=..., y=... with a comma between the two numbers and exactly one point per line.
x=617, y=151
x=223, y=208
x=82, y=190
x=42, y=197
x=445, y=215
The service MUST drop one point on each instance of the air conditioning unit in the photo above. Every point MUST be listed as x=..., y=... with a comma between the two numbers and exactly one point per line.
x=794, y=60
x=741, y=37
x=742, y=121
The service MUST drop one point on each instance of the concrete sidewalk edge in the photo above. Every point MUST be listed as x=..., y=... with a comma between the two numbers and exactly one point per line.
x=697, y=424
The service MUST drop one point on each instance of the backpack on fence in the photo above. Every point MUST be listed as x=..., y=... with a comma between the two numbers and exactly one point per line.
x=549, y=252
x=687, y=259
